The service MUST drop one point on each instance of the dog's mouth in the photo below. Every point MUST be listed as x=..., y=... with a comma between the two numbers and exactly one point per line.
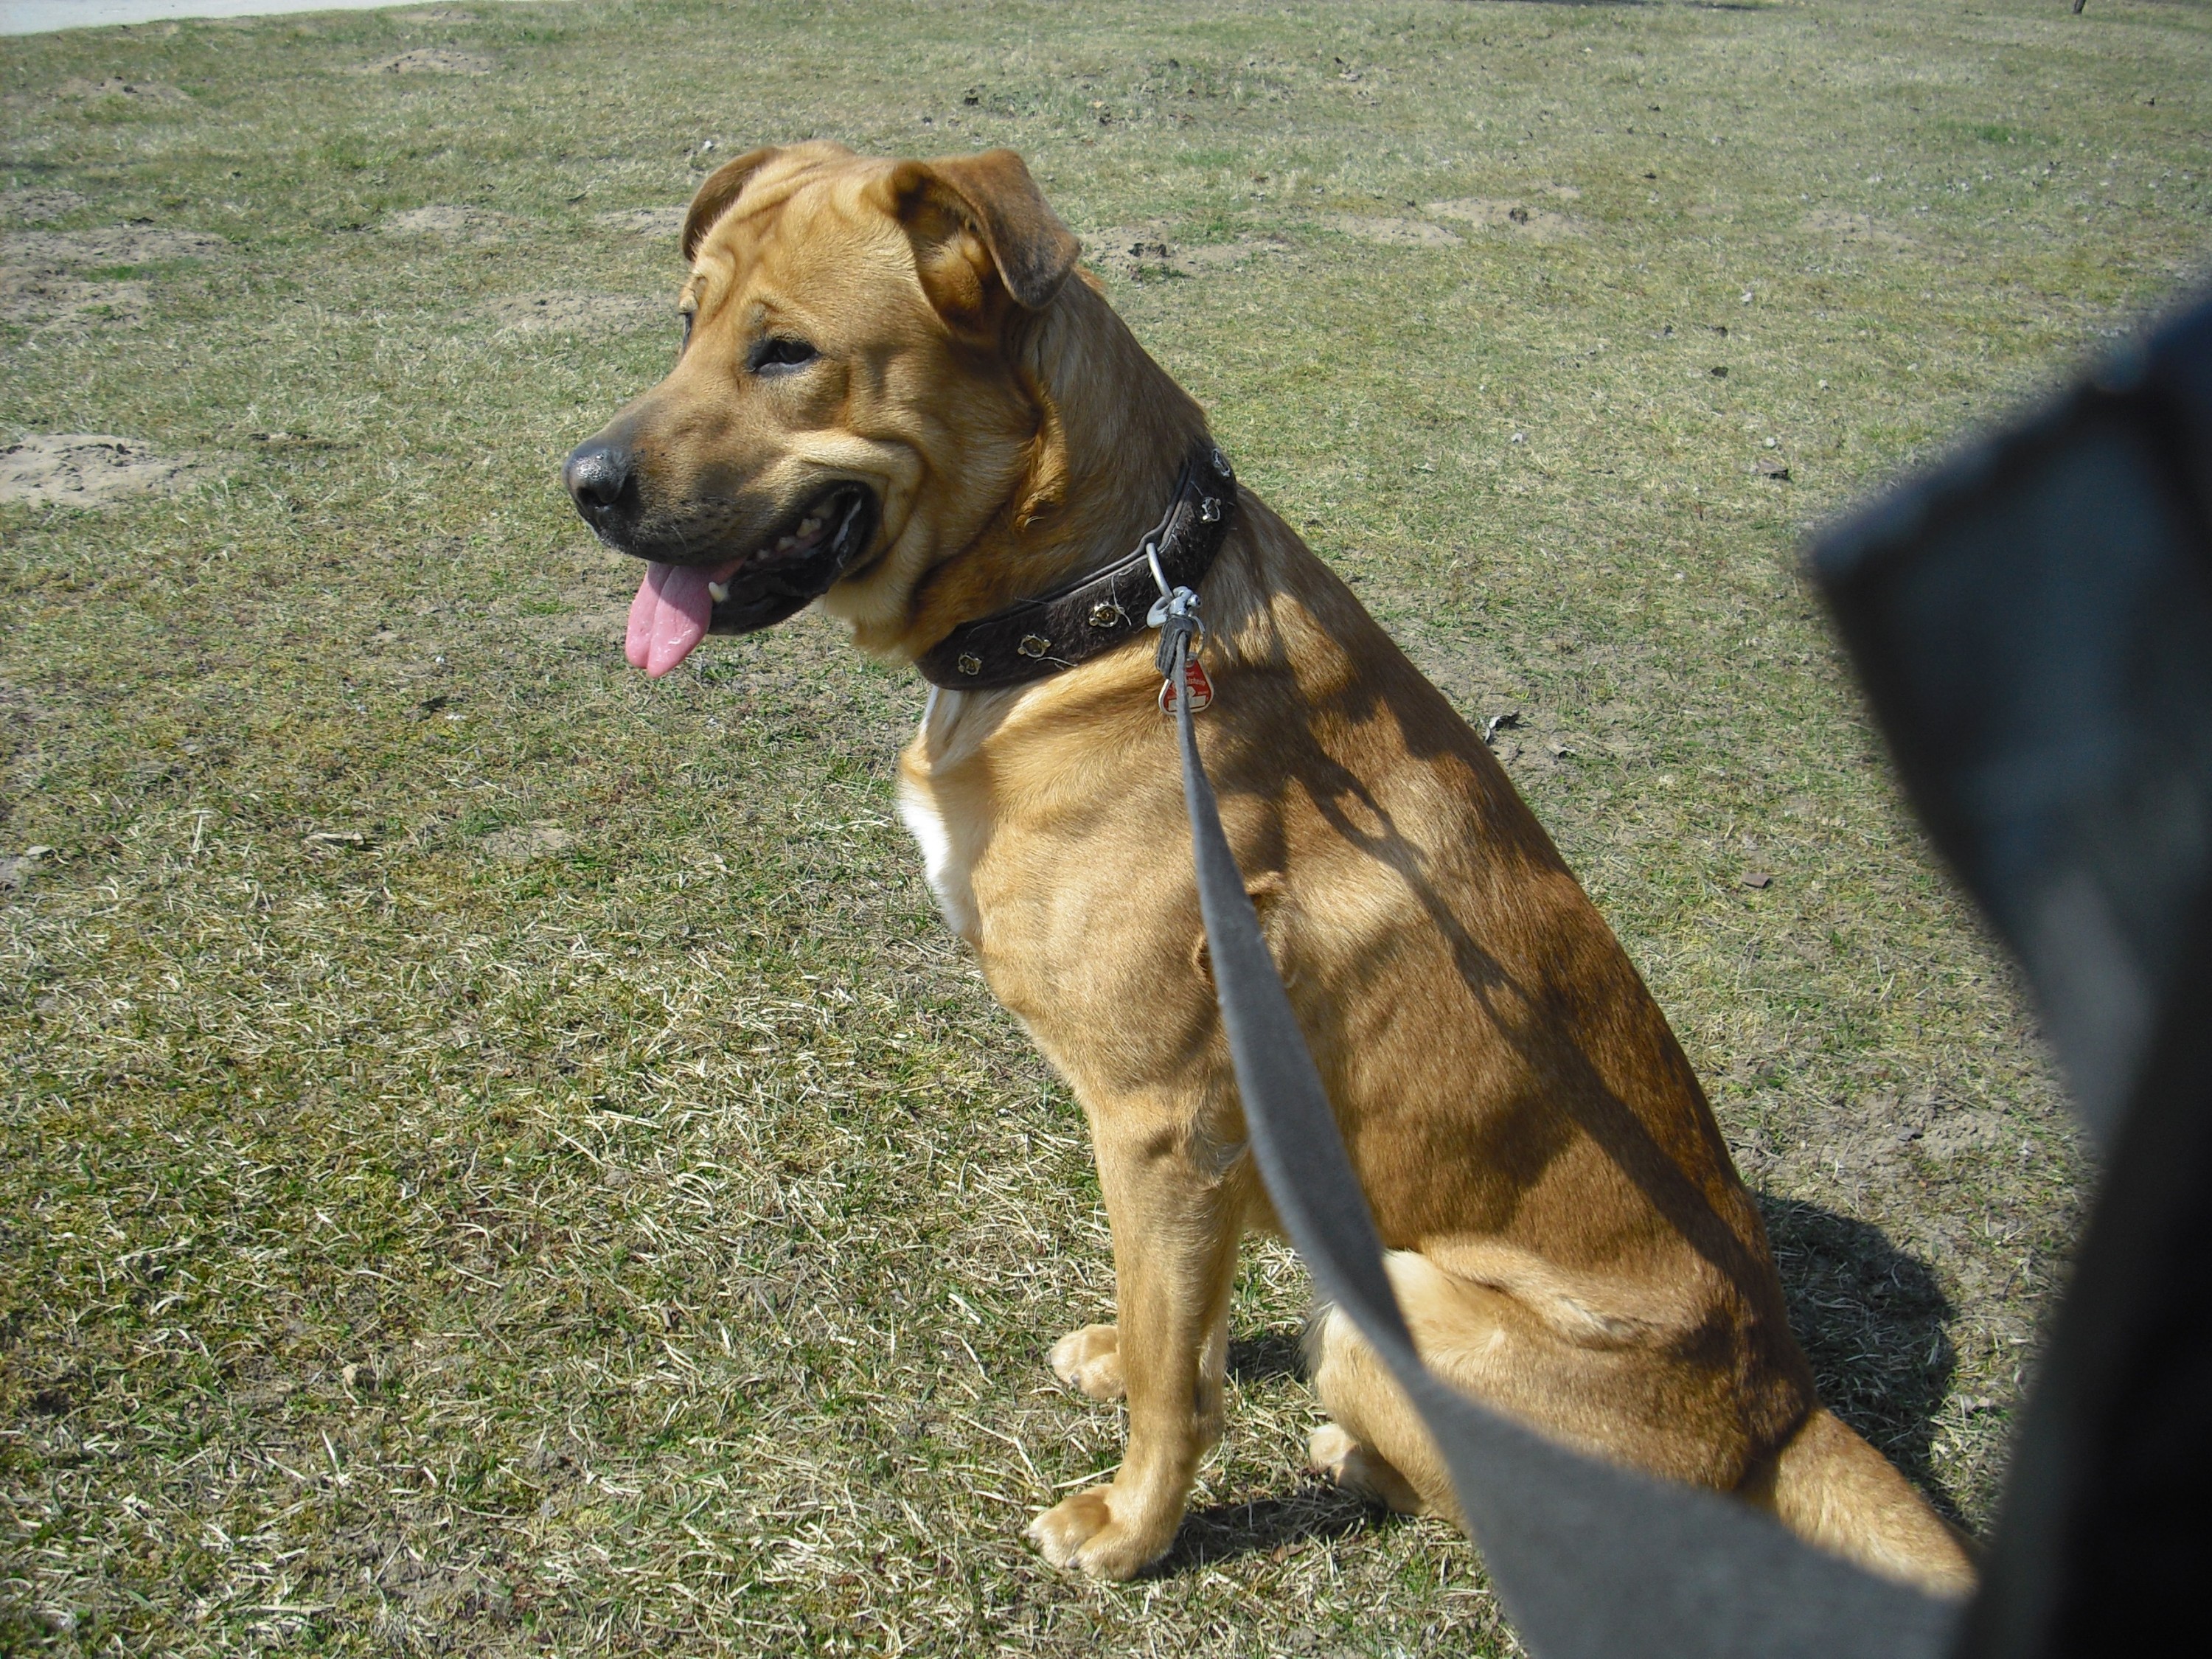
x=679, y=605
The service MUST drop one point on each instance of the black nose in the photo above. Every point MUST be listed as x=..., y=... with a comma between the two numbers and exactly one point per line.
x=602, y=478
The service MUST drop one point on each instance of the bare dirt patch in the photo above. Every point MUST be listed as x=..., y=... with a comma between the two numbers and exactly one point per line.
x=123, y=245
x=38, y=207
x=434, y=60
x=576, y=313
x=1855, y=228
x=1388, y=231
x=84, y=469
x=40, y=299
x=543, y=840
x=1133, y=251
x=17, y=868
x=591, y=610
x=451, y=224
x=644, y=222
x=1211, y=256
x=138, y=92
x=44, y=280
x=1537, y=224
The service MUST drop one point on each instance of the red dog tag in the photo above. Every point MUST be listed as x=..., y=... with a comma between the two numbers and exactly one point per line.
x=1201, y=689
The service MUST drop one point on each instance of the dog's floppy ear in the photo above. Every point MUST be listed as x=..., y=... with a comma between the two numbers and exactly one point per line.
x=722, y=187
x=991, y=197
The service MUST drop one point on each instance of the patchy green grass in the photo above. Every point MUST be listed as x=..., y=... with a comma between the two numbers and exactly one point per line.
x=498, y=1156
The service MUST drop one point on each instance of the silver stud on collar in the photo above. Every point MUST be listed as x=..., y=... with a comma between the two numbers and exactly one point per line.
x=1108, y=613
x=971, y=665
x=1221, y=463
x=1209, y=511
x=1034, y=644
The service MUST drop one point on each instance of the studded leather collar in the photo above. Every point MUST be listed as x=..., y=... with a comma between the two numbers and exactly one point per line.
x=1032, y=638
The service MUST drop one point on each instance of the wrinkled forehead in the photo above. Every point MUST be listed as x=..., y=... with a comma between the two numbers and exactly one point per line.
x=804, y=222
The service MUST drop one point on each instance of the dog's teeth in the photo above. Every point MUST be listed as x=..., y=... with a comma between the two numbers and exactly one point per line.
x=785, y=545
x=810, y=524
x=719, y=592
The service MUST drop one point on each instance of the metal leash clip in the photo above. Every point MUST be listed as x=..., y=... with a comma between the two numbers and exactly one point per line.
x=1175, y=613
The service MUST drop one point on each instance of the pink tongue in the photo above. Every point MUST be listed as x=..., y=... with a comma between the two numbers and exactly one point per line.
x=668, y=618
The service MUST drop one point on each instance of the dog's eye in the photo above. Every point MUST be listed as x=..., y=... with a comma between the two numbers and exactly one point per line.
x=779, y=354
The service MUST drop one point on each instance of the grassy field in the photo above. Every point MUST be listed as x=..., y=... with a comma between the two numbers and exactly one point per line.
x=497, y=1156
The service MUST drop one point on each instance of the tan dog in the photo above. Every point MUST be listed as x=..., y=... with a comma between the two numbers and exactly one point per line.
x=893, y=401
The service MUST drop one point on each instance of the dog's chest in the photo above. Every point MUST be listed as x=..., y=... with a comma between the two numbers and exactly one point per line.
x=945, y=863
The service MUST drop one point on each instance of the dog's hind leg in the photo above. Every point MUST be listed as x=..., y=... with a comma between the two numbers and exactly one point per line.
x=1177, y=1223
x=1605, y=1394
x=1624, y=1400
x=1334, y=1451
x=1376, y=1448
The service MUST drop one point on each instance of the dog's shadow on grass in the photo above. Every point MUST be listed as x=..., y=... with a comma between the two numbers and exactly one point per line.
x=1265, y=1357
x=1314, y=1509
x=1871, y=1317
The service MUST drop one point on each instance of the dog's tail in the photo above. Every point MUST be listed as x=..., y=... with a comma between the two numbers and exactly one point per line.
x=1832, y=1489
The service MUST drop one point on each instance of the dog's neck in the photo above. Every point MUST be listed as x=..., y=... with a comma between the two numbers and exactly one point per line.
x=1114, y=432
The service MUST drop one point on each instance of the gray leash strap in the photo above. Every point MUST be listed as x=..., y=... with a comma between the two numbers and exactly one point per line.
x=1592, y=1560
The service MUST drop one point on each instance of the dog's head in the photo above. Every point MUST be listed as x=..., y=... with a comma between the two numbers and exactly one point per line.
x=847, y=400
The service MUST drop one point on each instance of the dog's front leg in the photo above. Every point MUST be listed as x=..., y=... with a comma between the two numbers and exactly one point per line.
x=1176, y=1218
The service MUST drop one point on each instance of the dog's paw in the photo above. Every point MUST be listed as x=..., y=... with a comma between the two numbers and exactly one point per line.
x=1090, y=1360
x=1084, y=1534
x=1335, y=1456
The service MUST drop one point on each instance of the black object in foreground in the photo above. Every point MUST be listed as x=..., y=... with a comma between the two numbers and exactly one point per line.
x=2033, y=623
